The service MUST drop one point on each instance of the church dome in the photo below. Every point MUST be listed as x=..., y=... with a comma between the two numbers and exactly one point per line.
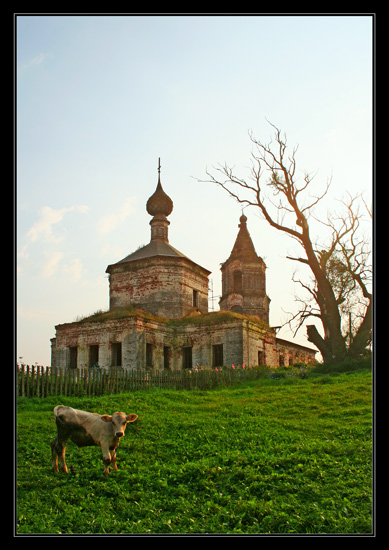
x=159, y=203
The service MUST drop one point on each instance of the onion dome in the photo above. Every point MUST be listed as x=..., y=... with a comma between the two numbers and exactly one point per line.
x=159, y=204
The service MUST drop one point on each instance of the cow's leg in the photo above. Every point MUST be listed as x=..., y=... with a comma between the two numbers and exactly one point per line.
x=58, y=447
x=113, y=459
x=106, y=459
x=62, y=457
x=58, y=450
x=54, y=455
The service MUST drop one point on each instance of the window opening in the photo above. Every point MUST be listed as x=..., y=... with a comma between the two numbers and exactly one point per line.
x=73, y=353
x=217, y=355
x=195, y=298
x=166, y=357
x=149, y=355
x=187, y=357
x=93, y=356
x=116, y=354
x=237, y=281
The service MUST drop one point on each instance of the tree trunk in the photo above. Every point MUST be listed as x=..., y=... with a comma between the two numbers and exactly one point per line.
x=363, y=337
x=333, y=346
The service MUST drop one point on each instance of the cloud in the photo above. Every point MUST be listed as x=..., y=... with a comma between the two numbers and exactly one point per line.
x=73, y=270
x=51, y=267
x=21, y=256
x=38, y=59
x=109, y=222
x=49, y=217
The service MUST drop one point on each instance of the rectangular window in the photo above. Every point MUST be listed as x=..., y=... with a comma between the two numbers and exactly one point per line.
x=149, y=355
x=116, y=354
x=166, y=357
x=93, y=356
x=217, y=355
x=187, y=357
x=261, y=358
x=195, y=298
x=73, y=352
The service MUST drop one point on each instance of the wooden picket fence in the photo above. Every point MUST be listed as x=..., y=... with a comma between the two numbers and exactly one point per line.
x=37, y=381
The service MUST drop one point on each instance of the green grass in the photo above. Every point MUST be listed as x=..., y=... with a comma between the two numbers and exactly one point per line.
x=271, y=456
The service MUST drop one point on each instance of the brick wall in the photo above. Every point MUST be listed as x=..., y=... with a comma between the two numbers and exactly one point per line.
x=162, y=286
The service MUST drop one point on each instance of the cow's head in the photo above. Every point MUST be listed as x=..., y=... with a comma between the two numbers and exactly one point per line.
x=119, y=421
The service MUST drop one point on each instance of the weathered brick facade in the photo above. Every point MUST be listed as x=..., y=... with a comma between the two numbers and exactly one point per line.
x=158, y=315
x=210, y=340
x=169, y=286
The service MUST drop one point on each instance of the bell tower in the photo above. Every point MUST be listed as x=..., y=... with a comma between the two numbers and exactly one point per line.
x=244, y=278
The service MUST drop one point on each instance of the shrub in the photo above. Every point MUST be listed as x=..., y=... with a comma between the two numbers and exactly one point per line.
x=347, y=365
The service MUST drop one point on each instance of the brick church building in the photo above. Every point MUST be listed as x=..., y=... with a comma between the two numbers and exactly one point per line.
x=158, y=310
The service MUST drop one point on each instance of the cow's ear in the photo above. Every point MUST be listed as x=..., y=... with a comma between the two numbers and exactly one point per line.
x=106, y=418
x=131, y=417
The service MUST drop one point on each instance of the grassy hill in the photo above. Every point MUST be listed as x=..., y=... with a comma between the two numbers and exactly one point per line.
x=271, y=456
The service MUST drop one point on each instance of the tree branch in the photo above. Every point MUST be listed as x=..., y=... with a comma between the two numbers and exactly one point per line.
x=339, y=268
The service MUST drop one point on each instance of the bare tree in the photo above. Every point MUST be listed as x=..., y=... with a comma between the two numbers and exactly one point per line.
x=341, y=273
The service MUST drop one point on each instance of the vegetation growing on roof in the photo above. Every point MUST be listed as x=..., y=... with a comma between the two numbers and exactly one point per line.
x=212, y=317
x=101, y=316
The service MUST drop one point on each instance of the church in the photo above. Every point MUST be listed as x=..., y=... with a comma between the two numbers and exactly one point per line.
x=158, y=311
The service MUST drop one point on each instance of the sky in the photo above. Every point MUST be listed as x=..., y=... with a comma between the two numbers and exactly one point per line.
x=100, y=98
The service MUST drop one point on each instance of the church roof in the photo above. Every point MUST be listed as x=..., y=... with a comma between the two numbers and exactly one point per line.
x=155, y=249
x=243, y=248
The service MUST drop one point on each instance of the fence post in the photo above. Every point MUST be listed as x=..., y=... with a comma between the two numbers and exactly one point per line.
x=91, y=379
x=28, y=380
x=61, y=375
x=32, y=381
x=40, y=380
x=47, y=382
x=43, y=380
x=51, y=380
x=36, y=381
x=22, y=381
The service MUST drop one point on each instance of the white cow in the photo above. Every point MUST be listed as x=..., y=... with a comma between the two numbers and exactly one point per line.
x=86, y=428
